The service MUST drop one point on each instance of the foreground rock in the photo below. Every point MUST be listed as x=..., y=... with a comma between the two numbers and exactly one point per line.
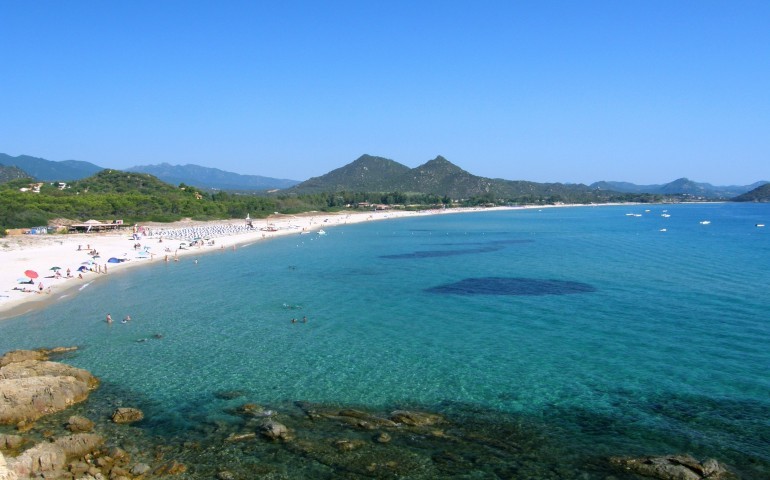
x=31, y=386
x=6, y=474
x=50, y=458
x=674, y=467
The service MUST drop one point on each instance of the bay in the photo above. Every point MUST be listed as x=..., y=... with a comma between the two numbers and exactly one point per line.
x=603, y=333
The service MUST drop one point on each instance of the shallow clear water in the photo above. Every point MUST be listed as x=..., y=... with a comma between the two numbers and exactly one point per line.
x=611, y=336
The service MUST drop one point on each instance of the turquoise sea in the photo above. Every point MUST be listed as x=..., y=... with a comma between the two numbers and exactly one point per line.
x=566, y=335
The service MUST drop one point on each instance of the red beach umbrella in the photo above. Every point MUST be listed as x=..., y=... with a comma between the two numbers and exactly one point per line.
x=31, y=274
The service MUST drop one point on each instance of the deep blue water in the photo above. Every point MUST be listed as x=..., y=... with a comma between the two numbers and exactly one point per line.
x=613, y=336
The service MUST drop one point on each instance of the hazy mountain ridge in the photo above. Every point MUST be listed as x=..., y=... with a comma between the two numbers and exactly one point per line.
x=212, y=178
x=48, y=170
x=759, y=194
x=679, y=186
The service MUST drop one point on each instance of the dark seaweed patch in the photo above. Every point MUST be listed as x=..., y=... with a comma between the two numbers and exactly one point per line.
x=441, y=253
x=512, y=286
x=485, y=247
x=493, y=242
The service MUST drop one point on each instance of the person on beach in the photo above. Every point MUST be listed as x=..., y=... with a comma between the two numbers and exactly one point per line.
x=108, y=319
x=40, y=287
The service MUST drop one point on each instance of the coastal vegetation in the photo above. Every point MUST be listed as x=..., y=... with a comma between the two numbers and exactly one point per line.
x=368, y=182
x=137, y=197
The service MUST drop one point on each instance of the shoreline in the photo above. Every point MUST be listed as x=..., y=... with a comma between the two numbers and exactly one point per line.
x=41, y=253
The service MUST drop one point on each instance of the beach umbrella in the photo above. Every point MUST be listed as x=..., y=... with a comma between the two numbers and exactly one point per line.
x=113, y=260
x=90, y=262
x=55, y=268
x=82, y=269
x=96, y=256
x=31, y=274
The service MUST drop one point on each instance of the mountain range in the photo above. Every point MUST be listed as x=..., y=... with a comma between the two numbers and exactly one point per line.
x=211, y=178
x=377, y=174
x=679, y=186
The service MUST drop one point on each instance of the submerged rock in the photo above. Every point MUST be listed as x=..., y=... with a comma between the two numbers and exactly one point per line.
x=10, y=442
x=416, y=419
x=674, y=467
x=275, y=430
x=127, y=415
x=78, y=424
x=229, y=394
x=171, y=468
x=140, y=469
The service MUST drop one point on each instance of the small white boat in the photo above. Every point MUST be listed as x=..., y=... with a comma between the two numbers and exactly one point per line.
x=665, y=215
x=663, y=230
x=321, y=232
x=759, y=225
x=705, y=222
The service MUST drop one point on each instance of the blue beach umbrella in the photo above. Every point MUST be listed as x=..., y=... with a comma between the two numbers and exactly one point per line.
x=113, y=260
x=82, y=268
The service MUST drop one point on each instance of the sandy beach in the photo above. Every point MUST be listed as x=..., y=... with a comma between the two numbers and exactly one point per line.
x=83, y=258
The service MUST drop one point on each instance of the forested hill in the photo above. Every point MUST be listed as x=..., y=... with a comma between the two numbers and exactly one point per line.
x=437, y=177
x=12, y=173
x=366, y=174
x=759, y=194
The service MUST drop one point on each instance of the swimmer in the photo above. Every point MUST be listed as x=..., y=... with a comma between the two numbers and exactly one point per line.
x=108, y=319
x=127, y=319
x=304, y=319
x=293, y=320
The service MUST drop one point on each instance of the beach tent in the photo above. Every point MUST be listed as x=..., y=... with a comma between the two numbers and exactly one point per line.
x=114, y=260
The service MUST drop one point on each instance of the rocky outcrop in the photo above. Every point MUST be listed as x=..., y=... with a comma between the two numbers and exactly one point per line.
x=6, y=474
x=31, y=386
x=674, y=467
x=127, y=415
x=46, y=459
x=21, y=355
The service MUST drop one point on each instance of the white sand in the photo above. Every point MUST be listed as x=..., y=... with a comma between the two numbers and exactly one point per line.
x=40, y=253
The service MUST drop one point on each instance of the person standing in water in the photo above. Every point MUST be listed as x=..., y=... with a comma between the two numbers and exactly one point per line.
x=109, y=318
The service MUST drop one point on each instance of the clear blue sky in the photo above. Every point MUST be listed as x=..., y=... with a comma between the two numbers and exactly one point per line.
x=645, y=91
